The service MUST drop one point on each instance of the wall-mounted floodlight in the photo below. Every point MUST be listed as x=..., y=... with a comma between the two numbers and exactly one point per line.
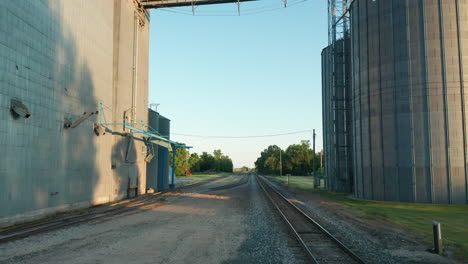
x=18, y=109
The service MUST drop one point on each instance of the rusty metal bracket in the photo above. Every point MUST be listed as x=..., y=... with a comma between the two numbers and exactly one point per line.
x=86, y=115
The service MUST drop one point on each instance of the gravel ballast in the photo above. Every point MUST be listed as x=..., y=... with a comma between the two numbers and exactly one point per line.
x=373, y=241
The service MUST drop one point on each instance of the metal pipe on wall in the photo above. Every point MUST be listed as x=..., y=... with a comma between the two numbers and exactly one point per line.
x=135, y=65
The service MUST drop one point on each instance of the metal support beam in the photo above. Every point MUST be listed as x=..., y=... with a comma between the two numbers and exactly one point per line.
x=139, y=127
x=174, y=153
x=80, y=120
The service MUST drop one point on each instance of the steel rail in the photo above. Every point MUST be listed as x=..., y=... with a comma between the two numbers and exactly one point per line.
x=263, y=182
x=45, y=227
x=285, y=219
x=244, y=180
x=199, y=183
x=97, y=210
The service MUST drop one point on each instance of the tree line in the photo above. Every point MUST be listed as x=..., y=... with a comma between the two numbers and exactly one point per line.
x=297, y=159
x=216, y=162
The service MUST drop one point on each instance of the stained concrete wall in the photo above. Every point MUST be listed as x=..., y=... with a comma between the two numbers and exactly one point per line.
x=61, y=58
x=410, y=70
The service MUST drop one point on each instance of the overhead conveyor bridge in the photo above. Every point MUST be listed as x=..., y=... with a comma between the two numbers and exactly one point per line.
x=149, y=4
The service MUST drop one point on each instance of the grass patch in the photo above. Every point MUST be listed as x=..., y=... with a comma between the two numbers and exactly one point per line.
x=300, y=182
x=415, y=218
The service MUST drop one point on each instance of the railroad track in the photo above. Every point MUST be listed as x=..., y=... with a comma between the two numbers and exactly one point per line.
x=243, y=180
x=21, y=232
x=200, y=183
x=319, y=245
x=142, y=202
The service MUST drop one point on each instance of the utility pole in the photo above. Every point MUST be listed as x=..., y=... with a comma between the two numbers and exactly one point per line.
x=314, y=140
x=321, y=159
x=313, y=157
x=281, y=165
x=316, y=177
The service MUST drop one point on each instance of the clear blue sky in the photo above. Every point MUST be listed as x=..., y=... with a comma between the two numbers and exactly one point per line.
x=245, y=75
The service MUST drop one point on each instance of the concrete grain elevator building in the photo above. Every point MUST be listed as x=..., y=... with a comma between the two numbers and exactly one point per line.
x=67, y=67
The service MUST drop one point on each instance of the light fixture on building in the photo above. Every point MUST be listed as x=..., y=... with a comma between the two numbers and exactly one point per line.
x=18, y=109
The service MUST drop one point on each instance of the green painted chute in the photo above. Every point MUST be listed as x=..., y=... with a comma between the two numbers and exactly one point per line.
x=162, y=143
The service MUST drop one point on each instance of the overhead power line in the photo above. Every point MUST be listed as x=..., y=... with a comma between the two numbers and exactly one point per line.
x=256, y=136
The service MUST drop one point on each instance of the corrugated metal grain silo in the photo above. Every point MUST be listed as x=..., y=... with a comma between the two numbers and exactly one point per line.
x=409, y=74
x=152, y=166
x=163, y=154
x=337, y=116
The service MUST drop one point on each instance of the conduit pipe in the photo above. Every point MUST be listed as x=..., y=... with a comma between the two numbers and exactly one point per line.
x=135, y=65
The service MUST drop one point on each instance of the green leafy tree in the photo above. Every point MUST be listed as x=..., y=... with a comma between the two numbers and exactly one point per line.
x=225, y=164
x=194, y=162
x=204, y=162
x=217, y=154
x=297, y=159
x=182, y=156
x=273, y=163
x=216, y=162
x=268, y=162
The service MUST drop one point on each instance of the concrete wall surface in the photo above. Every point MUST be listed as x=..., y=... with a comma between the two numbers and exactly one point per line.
x=61, y=59
x=410, y=72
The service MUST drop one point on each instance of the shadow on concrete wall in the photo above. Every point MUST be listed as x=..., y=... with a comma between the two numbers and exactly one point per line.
x=55, y=166
x=75, y=150
x=125, y=171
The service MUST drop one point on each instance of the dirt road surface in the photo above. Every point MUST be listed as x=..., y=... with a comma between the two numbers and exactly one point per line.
x=234, y=225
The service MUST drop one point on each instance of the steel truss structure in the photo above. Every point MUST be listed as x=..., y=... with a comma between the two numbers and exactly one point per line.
x=338, y=34
x=338, y=20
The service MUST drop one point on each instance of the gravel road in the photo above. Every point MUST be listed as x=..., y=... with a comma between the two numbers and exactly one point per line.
x=235, y=225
